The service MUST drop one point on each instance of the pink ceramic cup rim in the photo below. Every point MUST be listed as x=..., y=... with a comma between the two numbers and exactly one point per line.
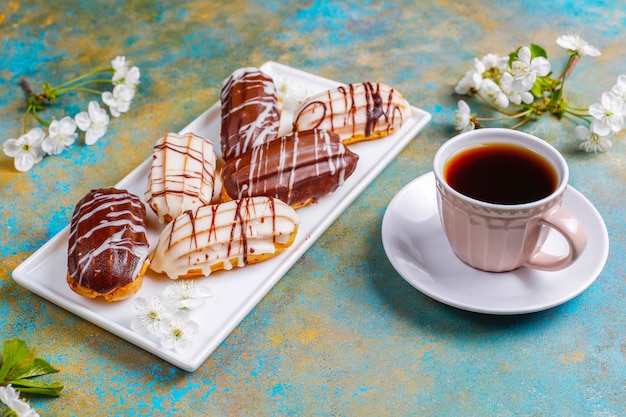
x=476, y=137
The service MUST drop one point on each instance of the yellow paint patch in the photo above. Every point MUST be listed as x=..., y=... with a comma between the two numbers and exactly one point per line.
x=307, y=335
x=9, y=8
x=573, y=357
x=275, y=336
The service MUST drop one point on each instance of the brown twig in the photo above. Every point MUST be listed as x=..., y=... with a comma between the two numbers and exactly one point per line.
x=26, y=86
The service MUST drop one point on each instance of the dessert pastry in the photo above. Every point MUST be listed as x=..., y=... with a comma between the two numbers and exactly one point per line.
x=250, y=111
x=182, y=175
x=298, y=168
x=108, y=247
x=221, y=236
x=355, y=112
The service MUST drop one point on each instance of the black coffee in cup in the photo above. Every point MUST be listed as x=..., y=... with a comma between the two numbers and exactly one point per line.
x=501, y=173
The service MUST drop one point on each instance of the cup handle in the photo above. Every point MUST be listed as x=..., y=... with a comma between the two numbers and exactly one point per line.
x=571, y=229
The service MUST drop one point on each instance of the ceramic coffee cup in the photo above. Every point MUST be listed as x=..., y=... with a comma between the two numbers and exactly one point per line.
x=496, y=213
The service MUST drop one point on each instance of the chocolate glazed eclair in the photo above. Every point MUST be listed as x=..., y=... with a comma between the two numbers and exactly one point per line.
x=298, y=168
x=250, y=111
x=108, y=246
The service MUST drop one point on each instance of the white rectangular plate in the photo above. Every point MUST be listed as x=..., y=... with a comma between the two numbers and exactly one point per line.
x=235, y=292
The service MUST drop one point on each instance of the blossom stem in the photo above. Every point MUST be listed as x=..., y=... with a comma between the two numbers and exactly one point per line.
x=80, y=84
x=493, y=106
x=577, y=115
x=569, y=67
x=26, y=114
x=579, y=109
x=67, y=90
x=511, y=116
x=39, y=119
x=82, y=77
x=521, y=123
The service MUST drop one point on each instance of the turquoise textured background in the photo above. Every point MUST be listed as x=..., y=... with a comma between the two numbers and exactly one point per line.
x=342, y=333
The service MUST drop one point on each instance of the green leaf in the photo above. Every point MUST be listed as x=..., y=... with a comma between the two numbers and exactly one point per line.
x=537, y=90
x=536, y=50
x=19, y=365
x=22, y=367
x=558, y=93
x=36, y=367
x=34, y=387
x=13, y=352
x=555, y=105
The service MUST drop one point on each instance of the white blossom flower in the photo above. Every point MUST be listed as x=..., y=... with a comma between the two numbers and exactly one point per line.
x=26, y=150
x=8, y=395
x=525, y=70
x=292, y=93
x=467, y=82
x=492, y=90
x=62, y=134
x=591, y=141
x=472, y=79
x=575, y=43
x=462, y=117
x=186, y=294
x=149, y=315
x=178, y=331
x=132, y=77
x=119, y=100
x=498, y=62
x=619, y=89
x=608, y=114
x=124, y=73
x=515, y=96
x=11, y=399
x=121, y=68
x=93, y=122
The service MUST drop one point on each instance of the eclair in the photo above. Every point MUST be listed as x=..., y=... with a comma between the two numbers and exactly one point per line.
x=108, y=246
x=356, y=112
x=182, y=175
x=224, y=235
x=298, y=168
x=250, y=111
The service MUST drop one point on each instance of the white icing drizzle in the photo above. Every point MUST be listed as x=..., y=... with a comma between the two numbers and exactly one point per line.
x=220, y=233
x=364, y=110
x=182, y=175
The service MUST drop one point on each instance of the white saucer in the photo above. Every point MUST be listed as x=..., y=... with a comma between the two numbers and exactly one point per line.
x=417, y=247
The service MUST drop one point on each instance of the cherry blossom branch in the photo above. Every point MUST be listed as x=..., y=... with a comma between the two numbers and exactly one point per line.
x=30, y=148
x=523, y=80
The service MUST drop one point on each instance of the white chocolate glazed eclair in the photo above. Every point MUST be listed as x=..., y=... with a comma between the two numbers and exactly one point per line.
x=356, y=112
x=182, y=175
x=221, y=236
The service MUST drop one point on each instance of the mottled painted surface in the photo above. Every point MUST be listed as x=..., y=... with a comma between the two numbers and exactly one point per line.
x=342, y=333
